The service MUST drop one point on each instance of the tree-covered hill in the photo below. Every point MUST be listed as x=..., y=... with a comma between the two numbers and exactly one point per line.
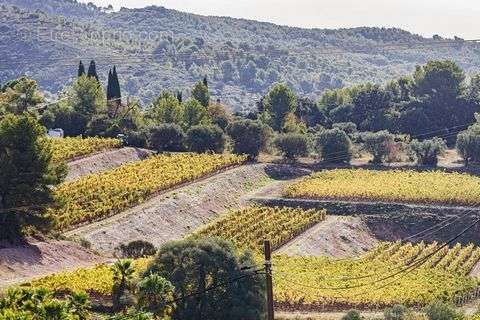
x=157, y=49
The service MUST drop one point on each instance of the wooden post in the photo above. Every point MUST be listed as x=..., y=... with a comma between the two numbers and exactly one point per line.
x=268, y=278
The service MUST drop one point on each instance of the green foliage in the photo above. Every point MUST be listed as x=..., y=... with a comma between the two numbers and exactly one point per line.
x=397, y=312
x=20, y=95
x=166, y=109
x=334, y=146
x=194, y=114
x=379, y=144
x=468, y=144
x=193, y=266
x=156, y=295
x=167, y=137
x=136, y=249
x=427, y=151
x=279, y=102
x=64, y=116
x=442, y=311
x=249, y=137
x=201, y=94
x=132, y=314
x=86, y=97
x=292, y=145
x=441, y=80
x=38, y=304
x=26, y=176
x=123, y=287
x=202, y=139
x=352, y=315
x=219, y=115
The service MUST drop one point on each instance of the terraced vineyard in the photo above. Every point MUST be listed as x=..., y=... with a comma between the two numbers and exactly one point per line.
x=248, y=228
x=393, y=273
x=397, y=185
x=100, y=195
x=65, y=149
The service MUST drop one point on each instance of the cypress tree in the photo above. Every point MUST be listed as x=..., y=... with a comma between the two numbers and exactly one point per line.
x=81, y=69
x=205, y=81
x=109, y=86
x=180, y=96
x=92, y=70
x=116, y=92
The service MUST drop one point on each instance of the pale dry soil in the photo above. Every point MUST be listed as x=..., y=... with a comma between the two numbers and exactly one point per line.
x=40, y=258
x=104, y=161
x=337, y=236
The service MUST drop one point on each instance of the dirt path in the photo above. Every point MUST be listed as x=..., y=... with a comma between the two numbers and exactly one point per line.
x=36, y=259
x=177, y=213
x=104, y=161
x=337, y=236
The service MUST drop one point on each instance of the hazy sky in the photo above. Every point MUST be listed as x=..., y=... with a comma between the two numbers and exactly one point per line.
x=426, y=17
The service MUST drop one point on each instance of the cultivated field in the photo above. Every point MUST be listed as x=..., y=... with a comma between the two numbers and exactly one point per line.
x=433, y=187
x=65, y=149
x=101, y=195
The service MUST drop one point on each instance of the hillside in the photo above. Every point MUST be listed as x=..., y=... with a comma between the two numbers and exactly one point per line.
x=156, y=49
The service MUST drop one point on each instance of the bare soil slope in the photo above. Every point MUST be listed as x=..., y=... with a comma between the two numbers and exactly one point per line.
x=337, y=236
x=36, y=259
x=104, y=161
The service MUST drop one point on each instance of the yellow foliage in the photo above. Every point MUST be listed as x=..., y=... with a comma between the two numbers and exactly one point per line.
x=248, y=228
x=65, y=149
x=400, y=186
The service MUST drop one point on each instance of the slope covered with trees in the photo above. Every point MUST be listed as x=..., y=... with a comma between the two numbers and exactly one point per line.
x=158, y=49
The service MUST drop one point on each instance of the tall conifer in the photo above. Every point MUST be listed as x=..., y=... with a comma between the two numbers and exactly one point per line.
x=81, y=69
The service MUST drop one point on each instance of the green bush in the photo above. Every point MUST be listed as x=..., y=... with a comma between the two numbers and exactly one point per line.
x=426, y=152
x=468, y=144
x=397, y=312
x=334, y=146
x=442, y=311
x=379, y=144
x=167, y=137
x=352, y=315
x=249, y=137
x=195, y=265
x=136, y=249
x=292, y=145
x=156, y=295
x=205, y=138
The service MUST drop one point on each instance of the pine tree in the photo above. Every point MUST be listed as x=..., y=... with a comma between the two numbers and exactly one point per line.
x=109, y=86
x=116, y=92
x=92, y=70
x=81, y=69
x=205, y=81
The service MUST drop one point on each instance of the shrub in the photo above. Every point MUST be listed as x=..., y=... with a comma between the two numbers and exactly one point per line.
x=137, y=139
x=136, y=249
x=167, y=137
x=123, y=271
x=426, y=152
x=349, y=127
x=468, y=144
x=397, y=312
x=249, y=137
x=292, y=145
x=155, y=295
x=380, y=144
x=194, y=265
x=334, y=146
x=352, y=315
x=201, y=139
x=442, y=311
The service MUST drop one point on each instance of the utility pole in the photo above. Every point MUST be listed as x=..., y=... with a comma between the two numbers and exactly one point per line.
x=268, y=278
